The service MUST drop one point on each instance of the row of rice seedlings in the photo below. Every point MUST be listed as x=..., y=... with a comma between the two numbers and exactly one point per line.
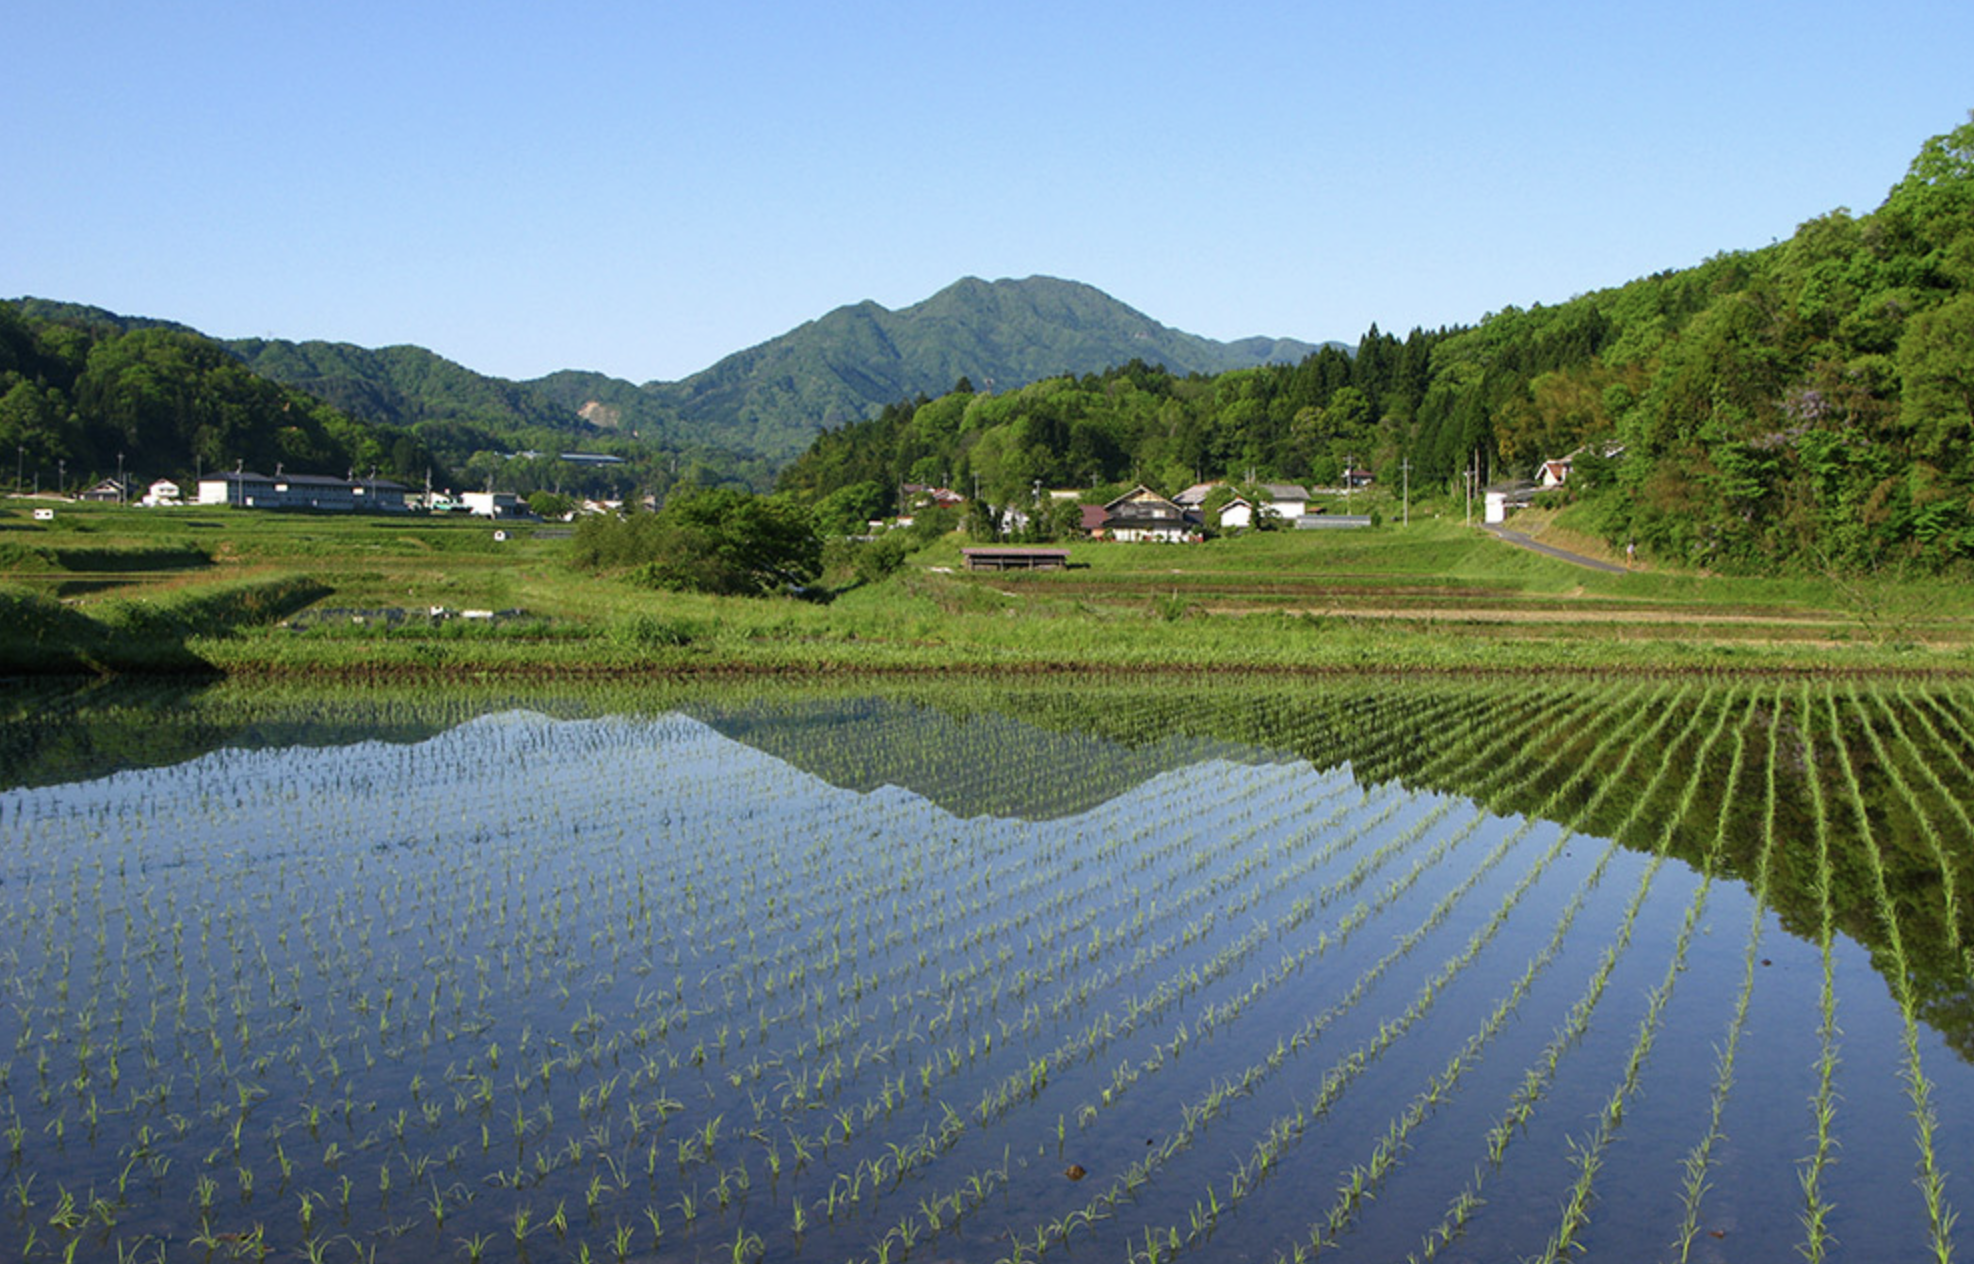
x=1932, y=1182
x=1083, y=1044
x=1527, y=756
x=1699, y=1159
x=1537, y=1077
x=1815, y=1215
x=1943, y=855
x=1158, y=1243
x=1193, y=979
x=1031, y=1067
x=1027, y=1083
x=1588, y=1154
x=1398, y=742
x=1205, y=1109
x=888, y=1091
x=1362, y=1180
x=1123, y=895
x=1290, y=965
x=1216, y=1015
x=1393, y=888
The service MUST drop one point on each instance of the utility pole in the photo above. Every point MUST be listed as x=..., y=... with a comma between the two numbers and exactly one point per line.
x=1467, y=476
x=1405, y=468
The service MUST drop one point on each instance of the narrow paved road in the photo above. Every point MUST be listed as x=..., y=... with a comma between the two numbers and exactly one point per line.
x=1522, y=541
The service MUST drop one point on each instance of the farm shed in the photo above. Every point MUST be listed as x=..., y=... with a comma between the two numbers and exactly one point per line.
x=991, y=559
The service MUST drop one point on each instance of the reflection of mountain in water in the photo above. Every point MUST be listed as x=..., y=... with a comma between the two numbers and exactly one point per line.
x=52, y=733
x=969, y=762
x=1892, y=764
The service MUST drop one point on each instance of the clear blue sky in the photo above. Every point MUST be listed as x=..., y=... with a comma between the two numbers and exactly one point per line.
x=641, y=188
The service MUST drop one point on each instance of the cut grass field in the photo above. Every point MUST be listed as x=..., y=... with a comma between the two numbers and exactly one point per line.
x=1434, y=595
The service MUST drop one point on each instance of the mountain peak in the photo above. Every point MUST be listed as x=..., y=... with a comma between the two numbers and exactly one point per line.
x=776, y=396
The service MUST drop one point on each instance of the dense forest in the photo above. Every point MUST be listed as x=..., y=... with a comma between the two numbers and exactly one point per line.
x=1808, y=405
x=79, y=399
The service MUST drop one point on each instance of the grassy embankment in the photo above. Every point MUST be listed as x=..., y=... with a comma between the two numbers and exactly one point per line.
x=110, y=589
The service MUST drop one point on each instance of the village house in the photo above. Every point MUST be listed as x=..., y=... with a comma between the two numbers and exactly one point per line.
x=1142, y=514
x=1285, y=500
x=1195, y=496
x=1236, y=515
x=926, y=496
x=109, y=491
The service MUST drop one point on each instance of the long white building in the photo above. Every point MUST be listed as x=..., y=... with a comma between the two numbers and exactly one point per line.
x=244, y=489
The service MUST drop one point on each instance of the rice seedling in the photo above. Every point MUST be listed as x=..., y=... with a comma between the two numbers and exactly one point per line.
x=1816, y=1208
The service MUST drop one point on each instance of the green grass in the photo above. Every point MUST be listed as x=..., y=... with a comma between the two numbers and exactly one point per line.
x=1432, y=596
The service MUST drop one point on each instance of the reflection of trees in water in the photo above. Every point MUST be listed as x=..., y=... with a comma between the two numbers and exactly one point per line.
x=1908, y=750
x=1055, y=748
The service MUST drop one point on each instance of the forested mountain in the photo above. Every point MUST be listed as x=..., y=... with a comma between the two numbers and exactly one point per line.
x=771, y=400
x=1000, y=335
x=1807, y=405
x=87, y=393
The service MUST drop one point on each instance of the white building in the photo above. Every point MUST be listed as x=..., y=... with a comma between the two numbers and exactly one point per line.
x=244, y=489
x=1286, y=500
x=493, y=504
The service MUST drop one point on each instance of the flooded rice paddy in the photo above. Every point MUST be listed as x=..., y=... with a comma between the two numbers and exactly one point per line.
x=1653, y=970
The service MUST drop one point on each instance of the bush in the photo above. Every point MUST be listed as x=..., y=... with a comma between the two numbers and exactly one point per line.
x=720, y=541
x=647, y=632
x=881, y=557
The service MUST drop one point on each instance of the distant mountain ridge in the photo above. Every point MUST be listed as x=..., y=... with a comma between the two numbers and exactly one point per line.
x=770, y=399
x=999, y=334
